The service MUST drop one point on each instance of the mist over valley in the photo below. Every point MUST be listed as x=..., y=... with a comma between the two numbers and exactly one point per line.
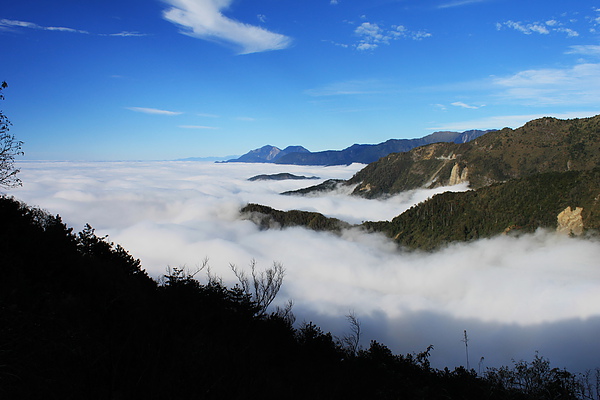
x=514, y=295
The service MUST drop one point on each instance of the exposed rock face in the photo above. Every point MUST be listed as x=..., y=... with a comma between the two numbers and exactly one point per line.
x=457, y=177
x=570, y=221
x=366, y=188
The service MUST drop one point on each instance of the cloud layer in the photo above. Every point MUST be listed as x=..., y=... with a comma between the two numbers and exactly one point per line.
x=513, y=296
x=203, y=19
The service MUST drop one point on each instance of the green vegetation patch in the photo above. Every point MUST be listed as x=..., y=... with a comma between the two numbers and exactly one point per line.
x=521, y=205
x=267, y=218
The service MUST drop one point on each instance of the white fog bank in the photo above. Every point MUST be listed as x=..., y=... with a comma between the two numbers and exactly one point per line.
x=514, y=296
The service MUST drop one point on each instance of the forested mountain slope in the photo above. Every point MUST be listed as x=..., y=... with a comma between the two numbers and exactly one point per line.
x=268, y=218
x=520, y=205
x=542, y=145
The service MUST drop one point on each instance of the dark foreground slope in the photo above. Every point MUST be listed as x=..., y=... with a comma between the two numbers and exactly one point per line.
x=79, y=319
x=542, y=145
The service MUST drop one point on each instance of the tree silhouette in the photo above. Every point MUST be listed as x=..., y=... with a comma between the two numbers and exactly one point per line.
x=10, y=147
x=263, y=287
x=80, y=319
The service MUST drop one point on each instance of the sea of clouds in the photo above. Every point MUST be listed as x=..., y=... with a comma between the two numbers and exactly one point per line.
x=513, y=296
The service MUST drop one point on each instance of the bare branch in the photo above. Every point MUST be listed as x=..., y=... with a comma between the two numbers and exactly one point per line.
x=352, y=340
x=264, y=285
x=10, y=148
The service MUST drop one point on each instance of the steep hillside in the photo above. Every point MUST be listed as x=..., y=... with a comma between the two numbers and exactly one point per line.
x=542, y=145
x=520, y=205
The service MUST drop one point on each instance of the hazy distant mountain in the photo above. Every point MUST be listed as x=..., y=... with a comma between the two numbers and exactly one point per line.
x=368, y=153
x=357, y=153
x=268, y=154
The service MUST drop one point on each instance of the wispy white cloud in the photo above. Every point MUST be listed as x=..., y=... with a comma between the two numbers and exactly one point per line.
x=373, y=35
x=8, y=23
x=203, y=19
x=586, y=50
x=594, y=20
x=579, y=84
x=354, y=87
x=542, y=28
x=334, y=2
x=31, y=25
x=197, y=127
x=568, y=31
x=153, y=111
x=459, y=3
x=527, y=29
x=127, y=34
x=464, y=105
x=503, y=121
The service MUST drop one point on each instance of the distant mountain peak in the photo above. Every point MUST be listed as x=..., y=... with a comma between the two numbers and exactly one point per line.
x=268, y=154
x=357, y=153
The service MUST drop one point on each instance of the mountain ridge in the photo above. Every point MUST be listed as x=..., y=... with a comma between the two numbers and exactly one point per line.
x=517, y=206
x=357, y=153
x=267, y=154
x=545, y=174
x=541, y=145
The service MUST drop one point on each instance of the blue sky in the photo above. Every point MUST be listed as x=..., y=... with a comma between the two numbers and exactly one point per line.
x=144, y=79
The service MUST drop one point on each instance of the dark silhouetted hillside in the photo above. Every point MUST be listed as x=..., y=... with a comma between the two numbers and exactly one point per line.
x=80, y=319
